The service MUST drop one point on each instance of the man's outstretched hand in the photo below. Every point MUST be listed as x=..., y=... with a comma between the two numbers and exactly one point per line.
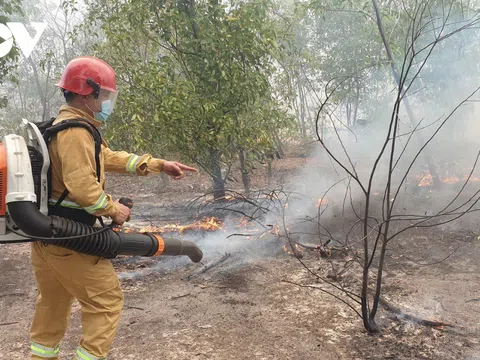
x=176, y=169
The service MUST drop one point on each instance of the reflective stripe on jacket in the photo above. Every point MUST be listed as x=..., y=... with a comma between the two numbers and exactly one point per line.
x=72, y=156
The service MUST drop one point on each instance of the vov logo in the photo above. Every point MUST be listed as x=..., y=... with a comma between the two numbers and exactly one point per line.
x=18, y=31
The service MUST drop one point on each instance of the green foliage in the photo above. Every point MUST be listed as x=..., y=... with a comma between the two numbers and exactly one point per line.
x=194, y=77
x=8, y=63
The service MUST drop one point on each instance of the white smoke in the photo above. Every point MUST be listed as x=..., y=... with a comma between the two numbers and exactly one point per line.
x=449, y=76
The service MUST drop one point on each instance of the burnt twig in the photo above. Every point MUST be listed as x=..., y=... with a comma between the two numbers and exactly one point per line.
x=12, y=294
x=207, y=267
x=9, y=323
x=412, y=318
x=179, y=296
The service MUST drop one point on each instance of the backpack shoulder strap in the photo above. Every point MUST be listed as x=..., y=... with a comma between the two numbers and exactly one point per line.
x=42, y=126
x=50, y=130
x=72, y=123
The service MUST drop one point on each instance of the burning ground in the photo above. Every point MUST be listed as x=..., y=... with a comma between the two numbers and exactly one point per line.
x=246, y=305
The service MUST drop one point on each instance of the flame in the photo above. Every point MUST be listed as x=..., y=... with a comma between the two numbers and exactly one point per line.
x=322, y=201
x=209, y=224
x=228, y=198
x=249, y=228
x=426, y=179
x=450, y=179
x=472, y=178
x=275, y=230
x=297, y=253
x=244, y=222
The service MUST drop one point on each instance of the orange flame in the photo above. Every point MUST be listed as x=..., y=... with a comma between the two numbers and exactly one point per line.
x=322, y=201
x=297, y=253
x=275, y=230
x=472, y=178
x=450, y=179
x=228, y=198
x=209, y=224
x=426, y=179
x=244, y=222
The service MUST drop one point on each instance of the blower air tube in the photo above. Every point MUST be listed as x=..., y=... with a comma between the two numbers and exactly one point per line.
x=107, y=244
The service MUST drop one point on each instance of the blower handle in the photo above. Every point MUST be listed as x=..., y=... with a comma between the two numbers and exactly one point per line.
x=128, y=203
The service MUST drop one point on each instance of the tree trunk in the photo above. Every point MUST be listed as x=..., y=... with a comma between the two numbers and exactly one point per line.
x=40, y=89
x=278, y=145
x=297, y=114
x=357, y=100
x=244, y=171
x=217, y=178
x=302, y=109
x=269, y=172
x=243, y=165
x=349, y=114
x=396, y=75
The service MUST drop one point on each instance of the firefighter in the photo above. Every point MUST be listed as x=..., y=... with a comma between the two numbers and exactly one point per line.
x=63, y=275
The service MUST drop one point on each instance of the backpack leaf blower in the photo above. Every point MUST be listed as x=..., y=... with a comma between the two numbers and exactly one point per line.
x=24, y=189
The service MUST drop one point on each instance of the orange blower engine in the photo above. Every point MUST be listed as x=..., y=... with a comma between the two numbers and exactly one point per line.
x=24, y=209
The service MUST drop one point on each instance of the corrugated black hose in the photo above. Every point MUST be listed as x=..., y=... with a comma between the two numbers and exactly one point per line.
x=86, y=239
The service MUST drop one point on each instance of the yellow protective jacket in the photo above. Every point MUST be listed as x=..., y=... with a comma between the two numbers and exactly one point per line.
x=72, y=156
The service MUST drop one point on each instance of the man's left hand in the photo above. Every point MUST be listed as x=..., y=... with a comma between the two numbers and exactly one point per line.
x=176, y=169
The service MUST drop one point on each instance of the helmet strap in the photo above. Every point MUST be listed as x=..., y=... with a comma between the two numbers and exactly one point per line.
x=88, y=107
x=95, y=86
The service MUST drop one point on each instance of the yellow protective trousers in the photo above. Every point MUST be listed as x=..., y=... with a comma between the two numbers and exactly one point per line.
x=62, y=276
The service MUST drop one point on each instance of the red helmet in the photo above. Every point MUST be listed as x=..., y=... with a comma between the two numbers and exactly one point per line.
x=86, y=74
